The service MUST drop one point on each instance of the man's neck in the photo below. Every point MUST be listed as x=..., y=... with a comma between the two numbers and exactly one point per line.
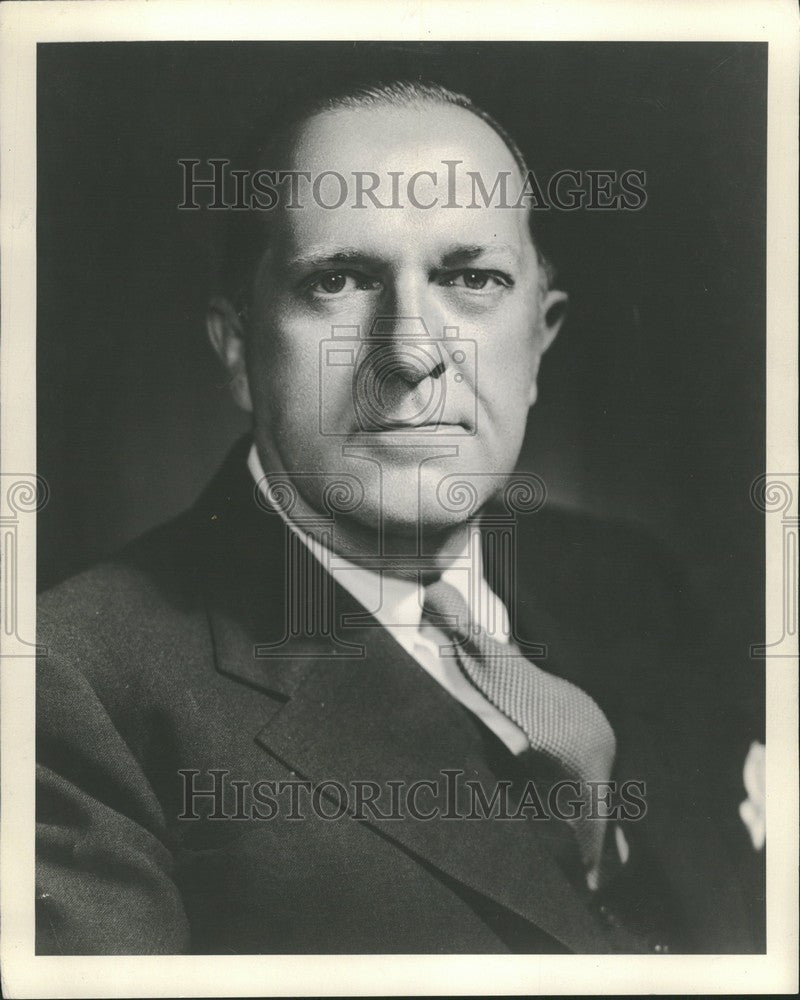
x=401, y=553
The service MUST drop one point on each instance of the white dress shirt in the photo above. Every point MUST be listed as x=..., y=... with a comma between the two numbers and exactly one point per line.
x=397, y=604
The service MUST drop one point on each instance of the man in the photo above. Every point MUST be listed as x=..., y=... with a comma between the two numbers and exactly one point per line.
x=279, y=723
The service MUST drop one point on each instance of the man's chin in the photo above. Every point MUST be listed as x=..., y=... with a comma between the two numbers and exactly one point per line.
x=396, y=521
x=427, y=507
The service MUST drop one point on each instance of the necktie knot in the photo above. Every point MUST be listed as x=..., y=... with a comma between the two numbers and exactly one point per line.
x=446, y=608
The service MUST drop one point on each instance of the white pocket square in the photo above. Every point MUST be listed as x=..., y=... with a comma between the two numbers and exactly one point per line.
x=753, y=810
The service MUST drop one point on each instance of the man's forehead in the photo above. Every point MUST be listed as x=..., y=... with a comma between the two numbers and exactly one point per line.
x=458, y=158
x=412, y=137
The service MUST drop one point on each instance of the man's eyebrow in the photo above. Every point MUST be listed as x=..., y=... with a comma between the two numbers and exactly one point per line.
x=324, y=256
x=452, y=257
x=468, y=253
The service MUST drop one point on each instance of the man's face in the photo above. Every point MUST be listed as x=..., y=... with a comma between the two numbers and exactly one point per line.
x=432, y=382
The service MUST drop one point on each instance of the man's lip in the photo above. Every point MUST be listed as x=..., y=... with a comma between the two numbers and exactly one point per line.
x=400, y=426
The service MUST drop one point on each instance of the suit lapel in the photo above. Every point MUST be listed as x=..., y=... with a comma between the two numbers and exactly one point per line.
x=252, y=574
x=383, y=719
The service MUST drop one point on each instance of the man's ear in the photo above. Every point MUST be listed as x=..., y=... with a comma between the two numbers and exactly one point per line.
x=226, y=333
x=553, y=309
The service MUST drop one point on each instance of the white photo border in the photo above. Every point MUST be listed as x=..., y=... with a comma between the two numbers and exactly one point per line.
x=24, y=24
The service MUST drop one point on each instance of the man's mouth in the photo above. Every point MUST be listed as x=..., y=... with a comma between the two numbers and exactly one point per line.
x=414, y=427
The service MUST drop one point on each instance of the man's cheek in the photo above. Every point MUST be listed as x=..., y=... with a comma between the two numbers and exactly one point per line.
x=292, y=366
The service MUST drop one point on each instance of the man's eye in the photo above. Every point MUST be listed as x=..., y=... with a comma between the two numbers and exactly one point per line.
x=339, y=281
x=475, y=280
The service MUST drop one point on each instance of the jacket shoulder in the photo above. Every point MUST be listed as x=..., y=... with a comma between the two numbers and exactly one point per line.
x=138, y=607
x=609, y=570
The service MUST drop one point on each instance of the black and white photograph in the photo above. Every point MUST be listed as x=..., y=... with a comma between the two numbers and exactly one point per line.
x=403, y=493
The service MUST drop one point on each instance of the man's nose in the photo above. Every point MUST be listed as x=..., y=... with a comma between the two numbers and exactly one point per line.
x=409, y=348
x=410, y=329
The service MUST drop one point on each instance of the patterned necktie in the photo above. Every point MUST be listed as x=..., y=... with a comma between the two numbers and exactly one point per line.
x=561, y=721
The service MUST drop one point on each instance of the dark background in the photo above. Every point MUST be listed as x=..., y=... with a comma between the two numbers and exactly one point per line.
x=652, y=402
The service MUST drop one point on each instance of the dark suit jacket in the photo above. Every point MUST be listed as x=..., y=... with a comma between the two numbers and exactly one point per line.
x=150, y=671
